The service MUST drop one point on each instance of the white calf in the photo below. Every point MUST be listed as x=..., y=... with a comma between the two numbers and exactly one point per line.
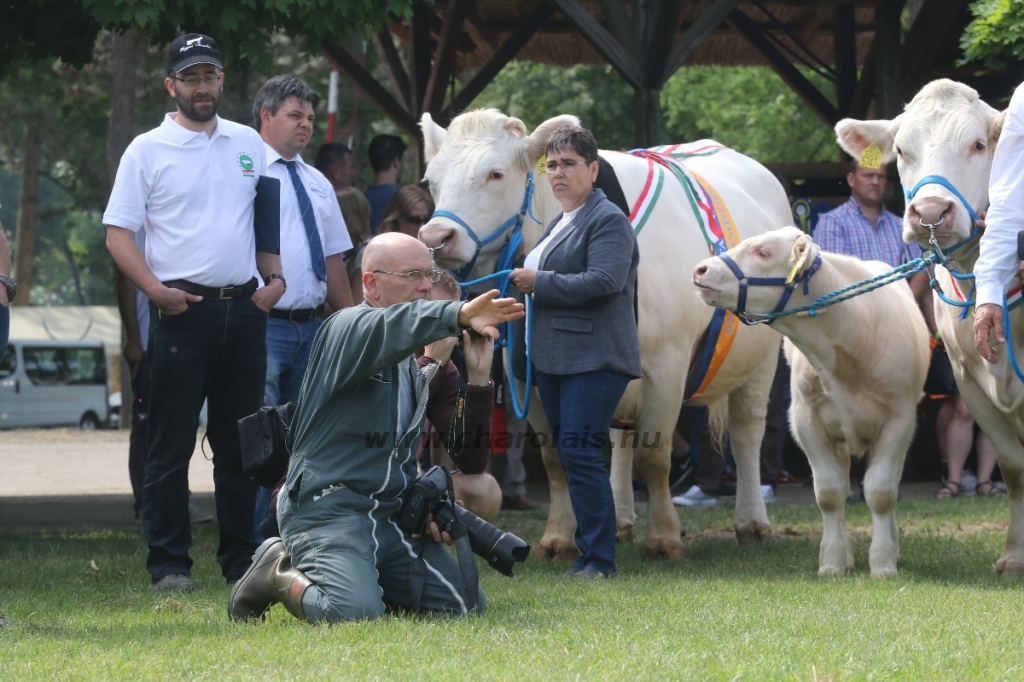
x=858, y=372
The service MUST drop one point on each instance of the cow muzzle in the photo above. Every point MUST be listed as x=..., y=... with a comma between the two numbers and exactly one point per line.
x=929, y=213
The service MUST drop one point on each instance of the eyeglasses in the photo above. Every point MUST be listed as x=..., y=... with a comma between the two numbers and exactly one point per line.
x=566, y=165
x=418, y=219
x=193, y=81
x=434, y=275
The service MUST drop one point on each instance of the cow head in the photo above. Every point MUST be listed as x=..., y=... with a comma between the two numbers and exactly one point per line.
x=782, y=253
x=947, y=131
x=477, y=171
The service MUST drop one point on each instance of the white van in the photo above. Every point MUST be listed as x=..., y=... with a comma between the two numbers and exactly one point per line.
x=53, y=383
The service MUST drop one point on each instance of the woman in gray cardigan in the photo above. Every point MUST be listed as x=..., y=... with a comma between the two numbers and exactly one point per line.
x=585, y=348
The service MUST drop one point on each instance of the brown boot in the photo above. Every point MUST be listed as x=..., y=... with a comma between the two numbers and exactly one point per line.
x=270, y=579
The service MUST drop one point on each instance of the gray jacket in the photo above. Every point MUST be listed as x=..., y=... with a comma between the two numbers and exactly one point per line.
x=583, y=315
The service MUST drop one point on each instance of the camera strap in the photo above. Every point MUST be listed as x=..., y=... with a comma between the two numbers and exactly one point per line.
x=467, y=565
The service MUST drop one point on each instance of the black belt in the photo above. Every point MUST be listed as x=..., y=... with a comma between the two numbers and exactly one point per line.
x=300, y=315
x=237, y=291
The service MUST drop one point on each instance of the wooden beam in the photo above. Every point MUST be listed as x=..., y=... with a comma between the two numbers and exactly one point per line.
x=502, y=56
x=845, y=49
x=927, y=35
x=479, y=30
x=656, y=51
x=810, y=22
x=391, y=108
x=618, y=22
x=595, y=34
x=888, y=76
x=420, y=66
x=696, y=34
x=393, y=67
x=444, y=58
x=780, y=63
x=865, y=90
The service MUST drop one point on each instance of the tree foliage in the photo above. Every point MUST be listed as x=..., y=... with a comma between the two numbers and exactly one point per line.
x=996, y=35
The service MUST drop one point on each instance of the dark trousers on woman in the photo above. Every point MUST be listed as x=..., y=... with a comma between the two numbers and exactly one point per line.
x=216, y=351
x=579, y=408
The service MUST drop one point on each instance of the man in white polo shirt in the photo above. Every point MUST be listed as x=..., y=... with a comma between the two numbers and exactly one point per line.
x=191, y=184
x=313, y=237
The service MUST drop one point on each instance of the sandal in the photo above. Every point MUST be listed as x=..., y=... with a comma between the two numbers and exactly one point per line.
x=948, y=493
x=992, y=490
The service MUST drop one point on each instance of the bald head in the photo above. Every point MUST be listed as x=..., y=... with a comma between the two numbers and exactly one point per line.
x=389, y=256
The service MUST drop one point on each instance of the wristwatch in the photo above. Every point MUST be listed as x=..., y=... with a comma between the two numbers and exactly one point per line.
x=12, y=287
x=276, y=275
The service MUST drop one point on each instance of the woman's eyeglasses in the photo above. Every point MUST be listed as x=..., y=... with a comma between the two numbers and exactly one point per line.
x=566, y=164
x=418, y=219
x=434, y=275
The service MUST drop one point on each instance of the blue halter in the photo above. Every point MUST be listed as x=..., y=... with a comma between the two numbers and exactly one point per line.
x=939, y=180
x=790, y=283
x=515, y=222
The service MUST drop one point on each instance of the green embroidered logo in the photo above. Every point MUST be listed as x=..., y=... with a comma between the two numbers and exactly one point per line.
x=245, y=163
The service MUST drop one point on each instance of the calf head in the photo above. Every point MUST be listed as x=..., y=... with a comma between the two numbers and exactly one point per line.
x=477, y=171
x=945, y=131
x=785, y=253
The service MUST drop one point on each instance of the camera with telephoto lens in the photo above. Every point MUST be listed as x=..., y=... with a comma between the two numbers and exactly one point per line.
x=429, y=495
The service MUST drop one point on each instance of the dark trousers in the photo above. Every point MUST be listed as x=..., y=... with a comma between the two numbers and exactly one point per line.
x=579, y=408
x=216, y=351
x=775, y=425
x=140, y=425
x=710, y=460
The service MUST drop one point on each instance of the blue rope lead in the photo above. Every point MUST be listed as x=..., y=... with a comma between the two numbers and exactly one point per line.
x=1009, y=340
x=521, y=408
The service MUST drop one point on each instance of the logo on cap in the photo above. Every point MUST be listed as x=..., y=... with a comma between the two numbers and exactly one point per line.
x=245, y=163
x=195, y=42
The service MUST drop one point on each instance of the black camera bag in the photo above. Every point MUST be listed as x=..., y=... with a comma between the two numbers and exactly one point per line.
x=262, y=437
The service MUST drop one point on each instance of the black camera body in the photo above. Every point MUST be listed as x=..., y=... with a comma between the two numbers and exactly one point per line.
x=429, y=495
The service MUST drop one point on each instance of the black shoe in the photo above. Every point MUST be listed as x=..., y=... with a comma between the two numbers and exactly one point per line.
x=269, y=580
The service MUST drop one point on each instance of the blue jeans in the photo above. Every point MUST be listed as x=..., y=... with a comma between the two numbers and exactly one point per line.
x=579, y=408
x=215, y=351
x=288, y=347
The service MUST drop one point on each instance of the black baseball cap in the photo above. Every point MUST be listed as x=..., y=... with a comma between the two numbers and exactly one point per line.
x=191, y=49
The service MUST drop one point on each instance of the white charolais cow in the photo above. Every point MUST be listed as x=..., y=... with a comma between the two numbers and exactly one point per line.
x=858, y=370
x=947, y=131
x=477, y=170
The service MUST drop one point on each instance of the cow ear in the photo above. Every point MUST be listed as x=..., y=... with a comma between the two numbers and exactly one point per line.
x=804, y=251
x=995, y=128
x=539, y=138
x=855, y=136
x=433, y=136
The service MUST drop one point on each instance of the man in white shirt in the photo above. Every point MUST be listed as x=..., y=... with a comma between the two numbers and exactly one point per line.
x=191, y=184
x=313, y=237
x=998, y=263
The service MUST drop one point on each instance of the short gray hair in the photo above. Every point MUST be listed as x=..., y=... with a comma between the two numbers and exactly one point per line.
x=277, y=91
x=574, y=139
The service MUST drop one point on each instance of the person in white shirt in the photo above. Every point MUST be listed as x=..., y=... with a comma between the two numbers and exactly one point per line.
x=998, y=262
x=313, y=238
x=191, y=184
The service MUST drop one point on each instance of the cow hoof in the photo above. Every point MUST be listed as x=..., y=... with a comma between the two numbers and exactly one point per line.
x=753, y=532
x=554, y=548
x=883, y=573
x=623, y=532
x=1009, y=565
x=664, y=549
x=831, y=571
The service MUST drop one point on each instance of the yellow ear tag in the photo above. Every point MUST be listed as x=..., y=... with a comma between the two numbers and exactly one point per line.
x=871, y=157
x=542, y=165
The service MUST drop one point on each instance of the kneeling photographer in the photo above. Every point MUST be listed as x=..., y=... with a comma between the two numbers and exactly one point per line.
x=342, y=553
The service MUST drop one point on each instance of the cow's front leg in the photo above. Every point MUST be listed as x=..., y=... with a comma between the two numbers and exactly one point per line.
x=830, y=469
x=1012, y=560
x=622, y=482
x=881, y=489
x=558, y=542
x=653, y=448
x=747, y=406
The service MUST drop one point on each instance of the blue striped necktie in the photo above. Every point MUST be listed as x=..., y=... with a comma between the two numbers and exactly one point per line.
x=316, y=249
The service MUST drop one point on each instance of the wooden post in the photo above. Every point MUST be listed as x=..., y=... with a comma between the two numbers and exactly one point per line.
x=845, y=40
x=888, y=79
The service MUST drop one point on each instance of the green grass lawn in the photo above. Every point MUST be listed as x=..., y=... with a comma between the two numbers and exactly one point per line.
x=727, y=612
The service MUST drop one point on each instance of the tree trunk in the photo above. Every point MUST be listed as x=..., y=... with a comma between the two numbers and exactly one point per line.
x=119, y=136
x=28, y=209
